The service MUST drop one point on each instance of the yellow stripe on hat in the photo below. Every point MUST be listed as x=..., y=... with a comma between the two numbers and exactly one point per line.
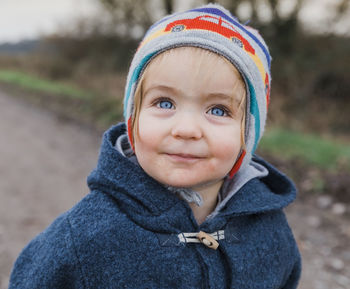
x=152, y=36
x=258, y=64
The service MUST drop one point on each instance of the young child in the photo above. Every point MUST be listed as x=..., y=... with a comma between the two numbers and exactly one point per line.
x=178, y=200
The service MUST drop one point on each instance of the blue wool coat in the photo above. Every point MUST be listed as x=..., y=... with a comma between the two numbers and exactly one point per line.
x=125, y=234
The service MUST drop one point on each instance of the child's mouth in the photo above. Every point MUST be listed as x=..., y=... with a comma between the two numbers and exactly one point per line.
x=183, y=157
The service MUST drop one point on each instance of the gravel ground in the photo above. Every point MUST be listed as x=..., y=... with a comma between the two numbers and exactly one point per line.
x=44, y=161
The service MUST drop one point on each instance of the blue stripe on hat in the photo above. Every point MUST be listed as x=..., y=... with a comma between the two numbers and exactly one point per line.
x=228, y=18
x=135, y=76
x=254, y=110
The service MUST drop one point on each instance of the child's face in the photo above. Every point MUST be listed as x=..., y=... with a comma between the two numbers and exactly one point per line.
x=189, y=126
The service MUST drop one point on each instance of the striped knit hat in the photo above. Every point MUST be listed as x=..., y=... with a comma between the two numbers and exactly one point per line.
x=213, y=28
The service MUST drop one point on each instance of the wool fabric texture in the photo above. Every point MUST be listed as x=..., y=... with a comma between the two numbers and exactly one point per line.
x=125, y=234
x=211, y=27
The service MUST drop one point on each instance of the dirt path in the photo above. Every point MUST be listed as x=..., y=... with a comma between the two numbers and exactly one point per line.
x=44, y=162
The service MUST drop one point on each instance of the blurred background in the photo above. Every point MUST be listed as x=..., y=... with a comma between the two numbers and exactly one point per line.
x=68, y=60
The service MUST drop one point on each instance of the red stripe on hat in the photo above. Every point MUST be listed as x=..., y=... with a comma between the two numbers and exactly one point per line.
x=130, y=134
x=237, y=165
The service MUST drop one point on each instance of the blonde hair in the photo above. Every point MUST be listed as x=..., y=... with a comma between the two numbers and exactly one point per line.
x=205, y=55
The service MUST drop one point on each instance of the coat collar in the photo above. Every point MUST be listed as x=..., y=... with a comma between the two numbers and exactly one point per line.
x=273, y=192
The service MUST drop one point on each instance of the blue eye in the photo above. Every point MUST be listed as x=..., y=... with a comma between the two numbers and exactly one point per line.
x=217, y=111
x=165, y=104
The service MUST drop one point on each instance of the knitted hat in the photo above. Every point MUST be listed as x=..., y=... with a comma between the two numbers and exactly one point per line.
x=213, y=28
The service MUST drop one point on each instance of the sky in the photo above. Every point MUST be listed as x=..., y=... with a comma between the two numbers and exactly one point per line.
x=28, y=19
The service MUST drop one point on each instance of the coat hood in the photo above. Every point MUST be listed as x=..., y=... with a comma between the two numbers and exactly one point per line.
x=150, y=204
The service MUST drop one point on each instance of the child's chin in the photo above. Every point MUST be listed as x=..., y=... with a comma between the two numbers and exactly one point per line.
x=186, y=184
x=180, y=184
x=187, y=180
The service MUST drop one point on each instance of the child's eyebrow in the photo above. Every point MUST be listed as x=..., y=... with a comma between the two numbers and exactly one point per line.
x=230, y=98
x=163, y=88
x=220, y=95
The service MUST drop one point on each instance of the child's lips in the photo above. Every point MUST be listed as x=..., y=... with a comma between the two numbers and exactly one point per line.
x=179, y=157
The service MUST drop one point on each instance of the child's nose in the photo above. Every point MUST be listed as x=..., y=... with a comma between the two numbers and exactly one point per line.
x=187, y=126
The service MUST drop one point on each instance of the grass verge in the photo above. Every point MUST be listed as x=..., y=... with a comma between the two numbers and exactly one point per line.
x=34, y=83
x=312, y=149
x=69, y=100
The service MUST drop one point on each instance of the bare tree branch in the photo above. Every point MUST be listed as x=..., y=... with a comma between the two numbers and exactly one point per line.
x=127, y=14
x=169, y=6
